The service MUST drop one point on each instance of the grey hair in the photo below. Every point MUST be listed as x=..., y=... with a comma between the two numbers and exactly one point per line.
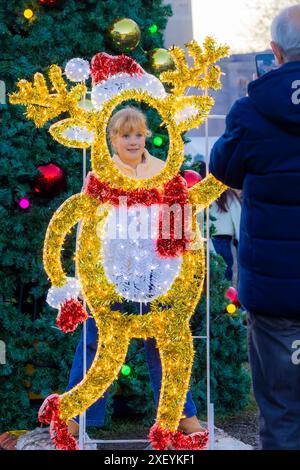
x=285, y=32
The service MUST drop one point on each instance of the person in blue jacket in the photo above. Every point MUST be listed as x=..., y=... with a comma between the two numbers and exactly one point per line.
x=260, y=154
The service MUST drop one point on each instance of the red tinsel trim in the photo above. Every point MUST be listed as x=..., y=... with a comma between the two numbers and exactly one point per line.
x=60, y=436
x=70, y=315
x=173, y=244
x=194, y=441
x=105, y=193
x=104, y=66
x=174, y=192
x=159, y=437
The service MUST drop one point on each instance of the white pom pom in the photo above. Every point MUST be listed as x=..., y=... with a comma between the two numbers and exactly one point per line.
x=58, y=295
x=77, y=70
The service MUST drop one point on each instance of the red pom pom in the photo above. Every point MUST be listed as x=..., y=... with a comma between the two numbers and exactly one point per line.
x=49, y=413
x=104, y=66
x=159, y=437
x=194, y=441
x=70, y=315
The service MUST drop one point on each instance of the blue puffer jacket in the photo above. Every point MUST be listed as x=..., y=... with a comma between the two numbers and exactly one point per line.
x=260, y=153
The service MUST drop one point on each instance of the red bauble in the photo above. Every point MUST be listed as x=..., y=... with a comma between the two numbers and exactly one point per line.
x=50, y=3
x=191, y=177
x=232, y=295
x=50, y=181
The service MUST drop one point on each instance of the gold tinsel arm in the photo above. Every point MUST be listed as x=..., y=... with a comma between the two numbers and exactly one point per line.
x=206, y=191
x=43, y=105
x=213, y=51
x=204, y=74
x=69, y=213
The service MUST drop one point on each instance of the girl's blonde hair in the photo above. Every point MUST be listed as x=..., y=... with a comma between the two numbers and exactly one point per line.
x=128, y=119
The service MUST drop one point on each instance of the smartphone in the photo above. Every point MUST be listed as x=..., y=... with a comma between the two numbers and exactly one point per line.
x=265, y=63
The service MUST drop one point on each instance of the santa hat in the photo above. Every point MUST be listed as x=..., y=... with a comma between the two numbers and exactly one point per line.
x=114, y=74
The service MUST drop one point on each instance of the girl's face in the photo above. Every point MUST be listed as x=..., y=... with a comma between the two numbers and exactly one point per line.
x=130, y=146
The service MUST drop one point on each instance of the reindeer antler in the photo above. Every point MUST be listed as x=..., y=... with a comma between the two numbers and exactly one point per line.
x=42, y=105
x=204, y=74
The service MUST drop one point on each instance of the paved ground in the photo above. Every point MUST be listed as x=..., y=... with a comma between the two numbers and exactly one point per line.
x=39, y=439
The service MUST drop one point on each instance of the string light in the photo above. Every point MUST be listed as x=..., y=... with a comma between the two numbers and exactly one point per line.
x=28, y=14
x=126, y=370
x=157, y=141
x=24, y=203
x=153, y=29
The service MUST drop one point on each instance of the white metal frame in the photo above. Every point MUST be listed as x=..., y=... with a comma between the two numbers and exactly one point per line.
x=83, y=439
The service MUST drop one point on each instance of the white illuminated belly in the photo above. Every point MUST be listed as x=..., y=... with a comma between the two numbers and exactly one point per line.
x=129, y=256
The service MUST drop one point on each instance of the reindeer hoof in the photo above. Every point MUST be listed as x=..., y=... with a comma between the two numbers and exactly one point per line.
x=162, y=439
x=70, y=315
x=49, y=414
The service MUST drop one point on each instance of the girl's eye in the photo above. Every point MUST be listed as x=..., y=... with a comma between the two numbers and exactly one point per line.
x=139, y=135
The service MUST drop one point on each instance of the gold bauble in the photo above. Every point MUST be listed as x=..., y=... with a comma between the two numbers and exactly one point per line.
x=161, y=60
x=124, y=34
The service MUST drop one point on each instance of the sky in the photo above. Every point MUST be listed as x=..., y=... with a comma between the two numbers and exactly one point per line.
x=228, y=20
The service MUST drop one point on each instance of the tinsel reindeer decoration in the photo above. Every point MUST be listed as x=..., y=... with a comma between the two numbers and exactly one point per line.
x=180, y=262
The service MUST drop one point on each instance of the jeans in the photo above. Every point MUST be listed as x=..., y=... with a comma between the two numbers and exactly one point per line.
x=275, y=367
x=96, y=413
x=223, y=248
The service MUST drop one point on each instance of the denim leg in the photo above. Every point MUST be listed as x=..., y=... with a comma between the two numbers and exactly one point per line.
x=95, y=414
x=223, y=248
x=273, y=343
x=155, y=370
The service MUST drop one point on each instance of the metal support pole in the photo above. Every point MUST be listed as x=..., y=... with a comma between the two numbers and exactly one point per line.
x=208, y=393
x=82, y=417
